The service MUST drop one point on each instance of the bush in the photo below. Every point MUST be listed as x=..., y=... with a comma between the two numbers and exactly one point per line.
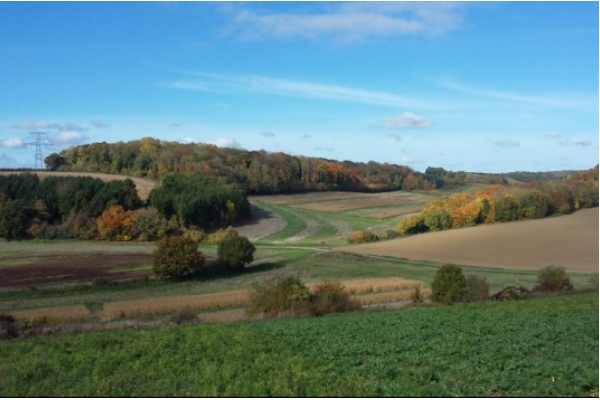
x=389, y=234
x=176, y=257
x=8, y=327
x=195, y=234
x=369, y=237
x=416, y=296
x=331, y=297
x=478, y=288
x=449, y=284
x=553, y=279
x=356, y=237
x=220, y=235
x=236, y=252
x=512, y=293
x=276, y=296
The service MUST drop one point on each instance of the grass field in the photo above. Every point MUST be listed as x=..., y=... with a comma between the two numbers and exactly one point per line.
x=537, y=348
x=570, y=241
x=144, y=185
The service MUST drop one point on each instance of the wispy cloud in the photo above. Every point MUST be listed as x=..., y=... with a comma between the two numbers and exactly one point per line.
x=542, y=100
x=552, y=134
x=407, y=121
x=349, y=22
x=408, y=160
x=306, y=136
x=226, y=142
x=395, y=136
x=268, y=134
x=68, y=138
x=176, y=125
x=504, y=143
x=99, y=124
x=12, y=143
x=60, y=126
x=578, y=140
x=282, y=87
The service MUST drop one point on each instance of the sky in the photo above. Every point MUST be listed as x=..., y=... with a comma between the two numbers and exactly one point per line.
x=480, y=87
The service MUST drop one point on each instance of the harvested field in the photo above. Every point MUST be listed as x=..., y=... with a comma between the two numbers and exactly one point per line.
x=570, y=241
x=394, y=212
x=375, y=285
x=340, y=206
x=329, y=196
x=54, y=314
x=165, y=305
x=264, y=223
x=391, y=297
x=143, y=185
x=70, y=269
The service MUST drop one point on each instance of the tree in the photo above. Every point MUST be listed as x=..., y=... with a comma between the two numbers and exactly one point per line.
x=449, y=284
x=54, y=161
x=236, y=252
x=176, y=257
x=13, y=220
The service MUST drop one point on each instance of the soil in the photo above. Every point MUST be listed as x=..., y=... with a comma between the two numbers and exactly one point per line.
x=264, y=223
x=72, y=269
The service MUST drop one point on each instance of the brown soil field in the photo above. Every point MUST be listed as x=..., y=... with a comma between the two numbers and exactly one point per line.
x=51, y=270
x=338, y=206
x=570, y=241
x=143, y=185
x=393, y=213
x=334, y=196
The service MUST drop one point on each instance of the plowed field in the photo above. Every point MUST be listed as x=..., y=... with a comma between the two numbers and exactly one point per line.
x=143, y=185
x=340, y=206
x=570, y=241
x=394, y=212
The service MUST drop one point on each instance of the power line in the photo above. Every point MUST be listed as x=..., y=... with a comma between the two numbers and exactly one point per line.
x=39, y=142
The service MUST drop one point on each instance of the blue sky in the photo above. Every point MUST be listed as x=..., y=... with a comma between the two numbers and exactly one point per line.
x=486, y=87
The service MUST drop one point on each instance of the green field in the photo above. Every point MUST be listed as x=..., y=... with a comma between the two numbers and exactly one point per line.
x=533, y=348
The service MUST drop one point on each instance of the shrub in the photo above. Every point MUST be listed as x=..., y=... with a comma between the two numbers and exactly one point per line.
x=449, y=284
x=511, y=293
x=369, y=237
x=195, y=234
x=553, y=279
x=416, y=296
x=8, y=327
x=356, y=237
x=331, y=297
x=220, y=235
x=411, y=225
x=236, y=252
x=389, y=234
x=478, y=288
x=276, y=296
x=177, y=256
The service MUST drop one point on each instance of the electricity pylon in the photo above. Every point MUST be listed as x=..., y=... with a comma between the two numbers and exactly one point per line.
x=39, y=142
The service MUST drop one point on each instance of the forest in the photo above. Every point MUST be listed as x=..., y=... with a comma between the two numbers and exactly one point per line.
x=88, y=208
x=257, y=172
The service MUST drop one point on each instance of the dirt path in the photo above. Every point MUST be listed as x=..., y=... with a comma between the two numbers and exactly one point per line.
x=312, y=227
x=264, y=223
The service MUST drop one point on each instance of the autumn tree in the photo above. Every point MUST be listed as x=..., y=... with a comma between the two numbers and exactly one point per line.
x=114, y=224
x=176, y=257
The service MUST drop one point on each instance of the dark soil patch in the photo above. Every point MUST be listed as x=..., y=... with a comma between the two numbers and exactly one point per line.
x=73, y=269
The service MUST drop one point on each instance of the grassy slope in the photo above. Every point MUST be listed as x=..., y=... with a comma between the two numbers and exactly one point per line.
x=530, y=348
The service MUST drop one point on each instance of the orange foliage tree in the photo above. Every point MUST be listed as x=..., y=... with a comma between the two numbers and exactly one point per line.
x=114, y=224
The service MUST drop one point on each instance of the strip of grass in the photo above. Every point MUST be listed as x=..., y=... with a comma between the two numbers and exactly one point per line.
x=535, y=348
x=295, y=224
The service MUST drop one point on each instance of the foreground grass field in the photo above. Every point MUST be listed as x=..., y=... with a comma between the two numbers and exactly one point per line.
x=533, y=348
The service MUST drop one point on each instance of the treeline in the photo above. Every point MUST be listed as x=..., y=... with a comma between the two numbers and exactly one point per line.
x=88, y=208
x=526, y=176
x=502, y=204
x=255, y=171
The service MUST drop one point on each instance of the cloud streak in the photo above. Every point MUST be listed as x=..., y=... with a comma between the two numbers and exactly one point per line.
x=282, y=87
x=12, y=143
x=505, y=143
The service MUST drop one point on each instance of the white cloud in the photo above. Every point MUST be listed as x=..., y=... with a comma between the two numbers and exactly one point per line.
x=408, y=160
x=578, y=140
x=32, y=125
x=281, y=87
x=506, y=143
x=12, y=143
x=395, y=136
x=407, y=121
x=552, y=134
x=67, y=138
x=226, y=142
x=351, y=22
x=268, y=134
x=186, y=140
x=99, y=124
